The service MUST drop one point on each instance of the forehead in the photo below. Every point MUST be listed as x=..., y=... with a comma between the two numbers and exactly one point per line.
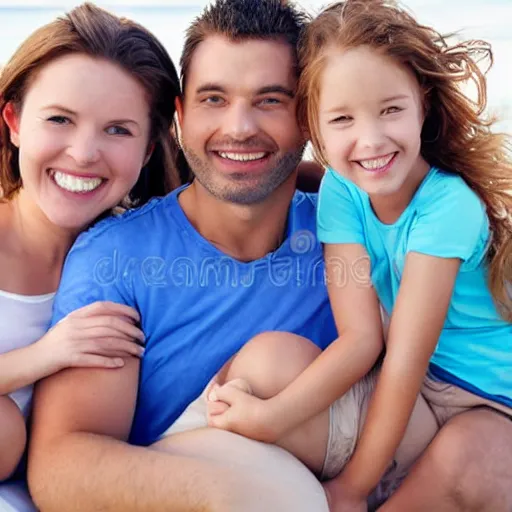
x=245, y=65
x=79, y=81
x=365, y=73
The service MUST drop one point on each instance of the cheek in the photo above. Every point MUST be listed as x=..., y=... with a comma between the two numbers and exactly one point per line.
x=336, y=146
x=125, y=162
x=38, y=153
x=407, y=133
x=198, y=129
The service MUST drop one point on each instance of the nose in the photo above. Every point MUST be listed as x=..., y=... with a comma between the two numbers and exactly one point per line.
x=84, y=148
x=240, y=122
x=371, y=135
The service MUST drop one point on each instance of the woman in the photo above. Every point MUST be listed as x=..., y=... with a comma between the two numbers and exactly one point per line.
x=87, y=106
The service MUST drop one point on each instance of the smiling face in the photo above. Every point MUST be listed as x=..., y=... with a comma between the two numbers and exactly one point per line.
x=370, y=119
x=238, y=120
x=83, y=134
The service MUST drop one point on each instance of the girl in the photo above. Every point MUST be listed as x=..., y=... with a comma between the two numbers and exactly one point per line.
x=87, y=101
x=417, y=195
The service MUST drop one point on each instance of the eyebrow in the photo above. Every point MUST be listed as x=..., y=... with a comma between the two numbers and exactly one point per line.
x=73, y=113
x=268, y=89
x=341, y=108
x=396, y=97
x=279, y=89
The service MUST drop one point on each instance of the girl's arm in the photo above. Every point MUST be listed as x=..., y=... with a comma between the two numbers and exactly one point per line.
x=416, y=323
x=357, y=314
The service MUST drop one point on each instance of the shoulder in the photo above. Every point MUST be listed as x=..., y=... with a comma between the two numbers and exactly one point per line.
x=450, y=220
x=127, y=228
x=335, y=187
x=447, y=192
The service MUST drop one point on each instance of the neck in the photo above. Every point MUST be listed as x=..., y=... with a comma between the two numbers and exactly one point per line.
x=33, y=235
x=244, y=232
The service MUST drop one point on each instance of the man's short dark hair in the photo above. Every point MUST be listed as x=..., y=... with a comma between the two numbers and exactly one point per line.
x=240, y=20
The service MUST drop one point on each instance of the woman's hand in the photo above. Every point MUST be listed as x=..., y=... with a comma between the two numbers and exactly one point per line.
x=96, y=336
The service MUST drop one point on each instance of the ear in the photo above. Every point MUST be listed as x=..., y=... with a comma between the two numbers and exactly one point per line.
x=12, y=119
x=149, y=153
x=178, y=104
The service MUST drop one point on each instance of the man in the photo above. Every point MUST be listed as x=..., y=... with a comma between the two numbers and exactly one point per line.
x=208, y=267
x=230, y=256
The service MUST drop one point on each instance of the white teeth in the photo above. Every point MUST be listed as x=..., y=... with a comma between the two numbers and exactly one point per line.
x=242, y=157
x=75, y=183
x=376, y=163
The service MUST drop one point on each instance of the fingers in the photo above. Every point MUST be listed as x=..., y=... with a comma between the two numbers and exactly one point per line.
x=96, y=361
x=240, y=384
x=106, y=308
x=227, y=393
x=109, y=326
x=216, y=408
x=112, y=346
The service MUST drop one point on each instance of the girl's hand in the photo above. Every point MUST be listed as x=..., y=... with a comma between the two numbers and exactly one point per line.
x=233, y=408
x=342, y=499
x=96, y=336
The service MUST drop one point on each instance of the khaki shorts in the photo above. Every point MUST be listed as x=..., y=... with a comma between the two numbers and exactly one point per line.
x=437, y=403
x=446, y=400
x=347, y=416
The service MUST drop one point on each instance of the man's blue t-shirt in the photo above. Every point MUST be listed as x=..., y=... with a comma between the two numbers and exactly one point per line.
x=198, y=306
x=445, y=218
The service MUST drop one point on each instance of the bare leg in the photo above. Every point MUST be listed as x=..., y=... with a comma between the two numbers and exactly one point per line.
x=13, y=437
x=268, y=363
x=467, y=467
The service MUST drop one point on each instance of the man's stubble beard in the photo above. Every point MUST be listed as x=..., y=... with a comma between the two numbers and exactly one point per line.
x=240, y=190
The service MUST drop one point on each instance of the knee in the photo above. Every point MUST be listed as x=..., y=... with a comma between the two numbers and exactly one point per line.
x=271, y=360
x=464, y=459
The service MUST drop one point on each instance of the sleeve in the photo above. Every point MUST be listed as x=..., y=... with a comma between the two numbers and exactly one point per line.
x=91, y=273
x=338, y=213
x=453, y=223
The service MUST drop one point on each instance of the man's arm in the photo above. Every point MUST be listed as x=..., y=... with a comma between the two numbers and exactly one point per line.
x=79, y=459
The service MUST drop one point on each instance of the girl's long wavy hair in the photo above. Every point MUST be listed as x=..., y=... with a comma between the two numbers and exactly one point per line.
x=456, y=135
x=92, y=31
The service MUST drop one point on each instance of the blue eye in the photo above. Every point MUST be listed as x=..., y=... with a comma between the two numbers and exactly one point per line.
x=213, y=100
x=117, y=130
x=271, y=101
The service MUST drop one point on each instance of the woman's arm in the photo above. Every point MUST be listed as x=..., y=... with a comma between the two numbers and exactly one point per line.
x=416, y=323
x=21, y=367
x=96, y=335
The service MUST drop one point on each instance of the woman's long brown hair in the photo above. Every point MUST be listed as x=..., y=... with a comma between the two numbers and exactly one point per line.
x=92, y=31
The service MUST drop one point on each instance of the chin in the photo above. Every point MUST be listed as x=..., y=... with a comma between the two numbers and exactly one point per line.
x=69, y=223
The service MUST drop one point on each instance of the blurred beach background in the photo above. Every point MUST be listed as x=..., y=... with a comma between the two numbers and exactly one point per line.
x=168, y=19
